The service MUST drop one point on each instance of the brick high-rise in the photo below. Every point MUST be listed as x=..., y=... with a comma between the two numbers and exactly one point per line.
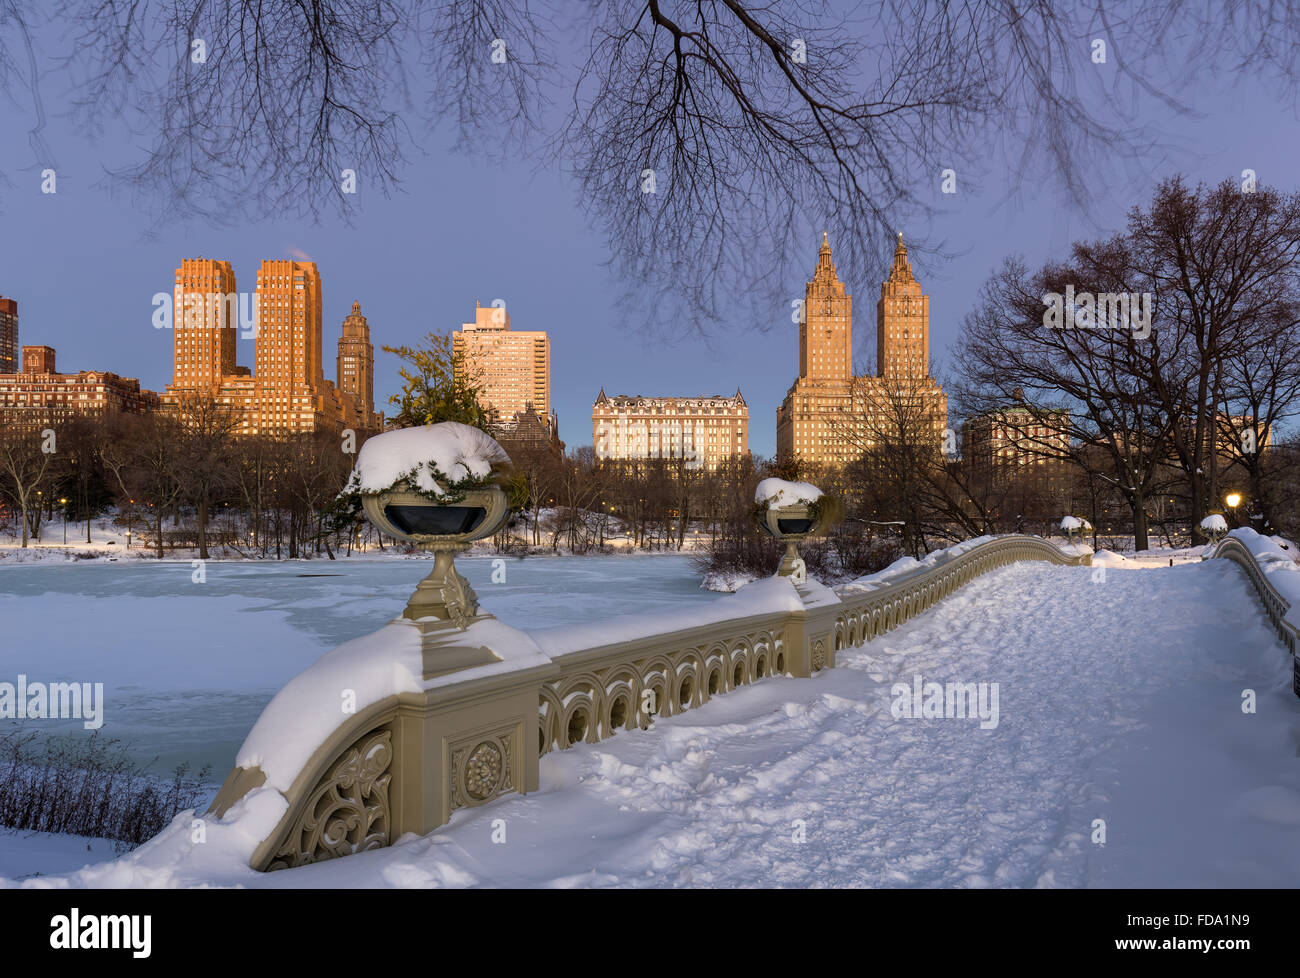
x=512, y=368
x=356, y=365
x=8, y=335
x=206, y=323
x=287, y=392
x=290, y=381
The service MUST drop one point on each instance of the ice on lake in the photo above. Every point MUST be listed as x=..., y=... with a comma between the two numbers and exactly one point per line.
x=187, y=667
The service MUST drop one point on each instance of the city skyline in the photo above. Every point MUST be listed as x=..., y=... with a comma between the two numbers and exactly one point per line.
x=551, y=271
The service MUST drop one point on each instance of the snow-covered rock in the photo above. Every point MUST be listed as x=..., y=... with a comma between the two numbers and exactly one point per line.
x=778, y=492
x=727, y=581
x=450, y=450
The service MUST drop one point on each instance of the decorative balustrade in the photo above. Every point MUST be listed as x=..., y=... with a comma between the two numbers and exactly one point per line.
x=406, y=761
x=1276, y=605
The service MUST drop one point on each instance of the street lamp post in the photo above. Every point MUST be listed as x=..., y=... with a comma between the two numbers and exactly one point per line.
x=1233, y=499
x=64, y=503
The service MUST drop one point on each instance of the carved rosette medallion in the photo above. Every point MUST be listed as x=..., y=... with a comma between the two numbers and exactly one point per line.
x=818, y=655
x=481, y=769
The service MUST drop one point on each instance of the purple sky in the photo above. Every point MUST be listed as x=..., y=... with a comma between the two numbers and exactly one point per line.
x=464, y=230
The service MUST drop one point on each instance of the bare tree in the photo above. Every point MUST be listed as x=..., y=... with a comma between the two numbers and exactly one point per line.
x=1091, y=386
x=154, y=470
x=1221, y=267
x=24, y=468
x=752, y=122
x=207, y=429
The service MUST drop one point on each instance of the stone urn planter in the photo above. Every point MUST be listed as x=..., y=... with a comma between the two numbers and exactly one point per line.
x=438, y=487
x=794, y=511
x=1075, y=527
x=444, y=529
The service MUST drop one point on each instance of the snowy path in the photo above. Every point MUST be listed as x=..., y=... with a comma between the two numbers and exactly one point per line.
x=1118, y=700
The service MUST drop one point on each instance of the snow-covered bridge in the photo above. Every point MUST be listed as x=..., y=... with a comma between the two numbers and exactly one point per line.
x=1144, y=734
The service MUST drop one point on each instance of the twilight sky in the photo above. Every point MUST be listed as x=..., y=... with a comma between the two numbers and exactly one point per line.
x=83, y=264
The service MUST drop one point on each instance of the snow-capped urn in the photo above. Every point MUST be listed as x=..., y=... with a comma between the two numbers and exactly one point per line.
x=1215, y=527
x=438, y=486
x=437, y=461
x=1075, y=527
x=794, y=511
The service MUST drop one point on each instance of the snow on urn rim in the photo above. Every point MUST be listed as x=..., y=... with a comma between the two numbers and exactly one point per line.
x=778, y=493
x=433, y=459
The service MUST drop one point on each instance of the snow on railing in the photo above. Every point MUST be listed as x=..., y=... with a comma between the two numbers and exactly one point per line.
x=416, y=748
x=621, y=673
x=1270, y=563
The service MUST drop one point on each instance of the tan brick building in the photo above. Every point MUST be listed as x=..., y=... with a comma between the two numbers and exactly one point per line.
x=512, y=368
x=704, y=431
x=287, y=392
x=356, y=369
x=206, y=323
x=40, y=397
x=1017, y=444
x=829, y=416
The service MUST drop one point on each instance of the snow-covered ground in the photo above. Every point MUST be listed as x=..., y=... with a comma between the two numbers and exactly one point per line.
x=1119, y=700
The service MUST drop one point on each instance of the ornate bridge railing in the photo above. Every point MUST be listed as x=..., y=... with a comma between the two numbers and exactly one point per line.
x=412, y=754
x=1263, y=561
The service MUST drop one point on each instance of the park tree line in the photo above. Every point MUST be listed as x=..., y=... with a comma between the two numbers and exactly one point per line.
x=177, y=478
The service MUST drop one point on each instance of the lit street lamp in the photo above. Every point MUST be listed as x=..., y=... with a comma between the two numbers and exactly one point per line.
x=1233, y=499
x=64, y=503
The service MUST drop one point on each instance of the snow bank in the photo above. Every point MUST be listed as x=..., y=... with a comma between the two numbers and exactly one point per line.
x=778, y=492
x=768, y=595
x=726, y=581
x=1108, y=558
x=456, y=451
x=174, y=858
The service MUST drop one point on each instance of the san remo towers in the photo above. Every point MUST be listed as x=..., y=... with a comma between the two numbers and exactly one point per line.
x=830, y=417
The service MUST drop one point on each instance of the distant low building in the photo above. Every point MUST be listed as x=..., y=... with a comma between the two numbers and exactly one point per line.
x=1017, y=440
x=529, y=431
x=705, y=432
x=40, y=397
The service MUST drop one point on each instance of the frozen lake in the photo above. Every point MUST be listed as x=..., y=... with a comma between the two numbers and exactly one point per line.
x=187, y=667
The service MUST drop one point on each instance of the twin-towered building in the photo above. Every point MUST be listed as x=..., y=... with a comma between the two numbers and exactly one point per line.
x=287, y=392
x=829, y=415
